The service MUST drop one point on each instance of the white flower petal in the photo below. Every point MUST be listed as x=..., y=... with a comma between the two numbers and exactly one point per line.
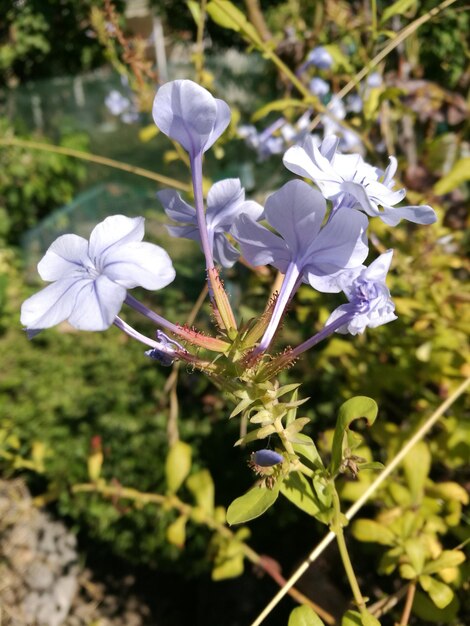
x=222, y=201
x=114, y=232
x=53, y=304
x=66, y=257
x=139, y=264
x=96, y=304
x=423, y=214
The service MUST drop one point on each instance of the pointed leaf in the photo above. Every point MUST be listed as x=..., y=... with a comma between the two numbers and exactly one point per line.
x=416, y=466
x=304, y=616
x=400, y=7
x=225, y=14
x=201, y=486
x=177, y=465
x=278, y=105
x=298, y=490
x=252, y=504
x=176, y=532
x=458, y=175
x=304, y=446
x=353, y=409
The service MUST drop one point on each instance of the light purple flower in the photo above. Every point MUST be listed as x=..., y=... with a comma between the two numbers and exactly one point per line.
x=306, y=250
x=350, y=182
x=320, y=57
x=116, y=103
x=89, y=280
x=370, y=304
x=265, y=142
x=225, y=203
x=319, y=87
x=189, y=114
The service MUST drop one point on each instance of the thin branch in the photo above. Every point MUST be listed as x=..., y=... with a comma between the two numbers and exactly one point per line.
x=94, y=158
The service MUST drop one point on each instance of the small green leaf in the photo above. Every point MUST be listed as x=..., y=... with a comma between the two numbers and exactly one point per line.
x=252, y=504
x=416, y=465
x=225, y=14
x=447, y=558
x=304, y=616
x=201, y=486
x=417, y=553
x=295, y=427
x=354, y=618
x=353, y=409
x=229, y=562
x=440, y=593
x=428, y=612
x=369, y=530
x=400, y=7
x=298, y=490
x=177, y=465
x=176, y=532
x=458, y=175
x=195, y=9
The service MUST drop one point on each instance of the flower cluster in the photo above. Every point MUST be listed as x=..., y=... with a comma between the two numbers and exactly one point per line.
x=316, y=236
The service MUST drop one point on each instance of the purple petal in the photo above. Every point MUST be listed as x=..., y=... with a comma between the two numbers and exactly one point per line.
x=189, y=114
x=296, y=211
x=259, y=245
x=423, y=214
x=176, y=208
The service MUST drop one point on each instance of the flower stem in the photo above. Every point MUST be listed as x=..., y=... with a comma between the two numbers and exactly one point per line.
x=337, y=528
x=217, y=293
x=210, y=343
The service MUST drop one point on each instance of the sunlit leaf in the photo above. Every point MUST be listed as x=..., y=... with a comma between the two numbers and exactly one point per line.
x=448, y=558
x=440, y=593
x=252, y=504
x=397, y=8
x=304, y=616
x=298, y=489
x=370, y=530
x=176, y=532
x=458, y=175
x=201, y=486
x=416, y=466
x=353, y=409
x=177, y=465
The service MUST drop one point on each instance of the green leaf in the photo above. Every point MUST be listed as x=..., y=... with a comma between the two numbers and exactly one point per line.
x=229, y=562
x=397, y=8
x=177, y=465
x=298, y=490
x=459, y=174
x=447, y=558
x=417, y=553
x=354, y=618
x=304, y=616
x=278, y=105
x=427, y=611
x=369, y=530
x=176, y=532
x=201, y=486
x=195, y=9
x=440, y=593
x=252, y=504
x=295, y=427
x=225, y=14
x=416, y=466
x=305, y=448
x=353, y=409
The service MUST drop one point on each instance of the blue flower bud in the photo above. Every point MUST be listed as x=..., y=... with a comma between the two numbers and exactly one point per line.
x=266, y=458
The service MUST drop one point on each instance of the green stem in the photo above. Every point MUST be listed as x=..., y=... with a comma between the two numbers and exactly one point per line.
x=337, y=528
x=94, y=158
x=373, y=8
